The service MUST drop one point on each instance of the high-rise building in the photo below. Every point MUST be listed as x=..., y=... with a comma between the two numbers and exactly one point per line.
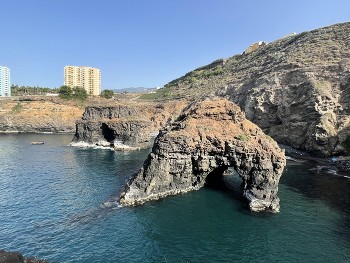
x=5, y=84
x=84, y=77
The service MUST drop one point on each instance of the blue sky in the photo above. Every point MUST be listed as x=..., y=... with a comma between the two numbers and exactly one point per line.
x=144, y=42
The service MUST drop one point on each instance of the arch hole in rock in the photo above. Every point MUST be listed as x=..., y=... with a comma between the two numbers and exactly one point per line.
x=108, y=133
x=227, y=180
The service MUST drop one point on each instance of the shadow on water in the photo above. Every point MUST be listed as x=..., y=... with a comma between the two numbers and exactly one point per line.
x=227, y=181
x=332, y=190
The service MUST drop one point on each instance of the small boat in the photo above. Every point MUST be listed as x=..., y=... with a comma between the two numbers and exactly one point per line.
x=36, y=143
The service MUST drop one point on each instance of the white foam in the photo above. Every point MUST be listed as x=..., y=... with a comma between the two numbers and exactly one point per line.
x=81, y=144
x=90, y=145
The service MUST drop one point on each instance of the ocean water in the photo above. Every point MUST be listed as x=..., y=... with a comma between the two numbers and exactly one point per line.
x=58, y=203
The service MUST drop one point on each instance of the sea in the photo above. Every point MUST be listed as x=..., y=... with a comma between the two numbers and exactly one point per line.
x=58, y=203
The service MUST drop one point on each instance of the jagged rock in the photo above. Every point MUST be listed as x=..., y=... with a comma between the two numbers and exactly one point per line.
x=113, y=126
x=206, y=139
x=10, y=257
x=123, y=127
x=16, y=257
x=108, y=133
x=343, y=164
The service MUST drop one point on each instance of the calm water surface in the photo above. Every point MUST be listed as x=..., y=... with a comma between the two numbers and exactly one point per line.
x=57, y=202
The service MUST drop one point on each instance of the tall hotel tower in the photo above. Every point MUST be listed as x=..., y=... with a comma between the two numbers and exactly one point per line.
x=84, y=77
x=5, y=85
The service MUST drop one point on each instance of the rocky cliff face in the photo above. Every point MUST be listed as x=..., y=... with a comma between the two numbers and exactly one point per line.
x=38, y=114
x=206, y=139
x=124, y=126
x=297, y=89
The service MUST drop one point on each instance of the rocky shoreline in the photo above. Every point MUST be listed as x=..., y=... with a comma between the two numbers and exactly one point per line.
x=331, y=165
x=16, y=257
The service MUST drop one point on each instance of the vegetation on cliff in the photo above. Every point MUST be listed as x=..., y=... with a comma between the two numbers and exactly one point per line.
x=297, y=88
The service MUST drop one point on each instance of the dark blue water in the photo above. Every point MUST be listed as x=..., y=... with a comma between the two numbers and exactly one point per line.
x=57, y=202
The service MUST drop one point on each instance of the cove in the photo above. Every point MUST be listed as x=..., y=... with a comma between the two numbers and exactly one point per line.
x=58, y=203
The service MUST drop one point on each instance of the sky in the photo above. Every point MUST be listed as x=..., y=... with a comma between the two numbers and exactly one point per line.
x=144, y=43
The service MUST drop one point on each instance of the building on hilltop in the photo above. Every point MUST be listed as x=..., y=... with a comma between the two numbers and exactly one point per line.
x=255, y=46
x=84, y=77
x=5, y=84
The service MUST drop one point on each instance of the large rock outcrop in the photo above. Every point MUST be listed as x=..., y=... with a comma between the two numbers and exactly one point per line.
x=124, y=126
x=206, y=139
x=297, y=88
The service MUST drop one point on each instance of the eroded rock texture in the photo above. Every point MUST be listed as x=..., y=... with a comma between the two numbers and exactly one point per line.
x=206, y=139
x=124, y=126
x=297, y=88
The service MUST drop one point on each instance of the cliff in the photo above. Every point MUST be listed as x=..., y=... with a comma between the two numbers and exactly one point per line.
x=297, y=89
x=124, y=125
x=206, y=139
x=38, y=114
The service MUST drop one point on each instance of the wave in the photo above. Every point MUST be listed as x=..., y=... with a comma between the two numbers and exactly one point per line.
x=98, y=145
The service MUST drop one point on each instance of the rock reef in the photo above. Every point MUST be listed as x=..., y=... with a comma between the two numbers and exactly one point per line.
x=207, y=138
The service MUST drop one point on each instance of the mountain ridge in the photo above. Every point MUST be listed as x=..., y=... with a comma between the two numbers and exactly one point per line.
x=296, y=88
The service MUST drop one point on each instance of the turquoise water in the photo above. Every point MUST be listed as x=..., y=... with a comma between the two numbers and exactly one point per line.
x=57, y=202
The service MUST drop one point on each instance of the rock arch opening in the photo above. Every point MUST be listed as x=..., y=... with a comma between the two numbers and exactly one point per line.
x=226, y=179
x=215, y=179
x=108, y=133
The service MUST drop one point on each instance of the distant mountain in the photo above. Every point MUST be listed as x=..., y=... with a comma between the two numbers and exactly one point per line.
x=297, y=88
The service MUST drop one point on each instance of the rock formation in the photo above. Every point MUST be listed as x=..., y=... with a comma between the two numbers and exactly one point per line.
x=38, y=114
x=124, y=126
x=107, y=126
x=206, y=139
x=16, y=257
x=297, y=88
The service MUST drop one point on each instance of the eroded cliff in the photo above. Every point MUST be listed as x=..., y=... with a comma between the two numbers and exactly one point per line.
x=125, y=125
x=206, y=139
x=38, y=114
x=297, y=89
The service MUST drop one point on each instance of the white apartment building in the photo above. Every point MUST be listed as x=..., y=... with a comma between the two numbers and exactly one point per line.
x=85, y=77
x=5, y=84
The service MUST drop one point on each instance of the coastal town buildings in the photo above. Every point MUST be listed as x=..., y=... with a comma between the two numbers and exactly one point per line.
x=85, y=77
x=5, y=84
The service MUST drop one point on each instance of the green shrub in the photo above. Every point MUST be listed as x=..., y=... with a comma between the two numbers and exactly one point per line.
x=163, y=93
x=108, y=94
x=65, y=92
x=17, y=108
x=243, y=137
x=79, y=93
